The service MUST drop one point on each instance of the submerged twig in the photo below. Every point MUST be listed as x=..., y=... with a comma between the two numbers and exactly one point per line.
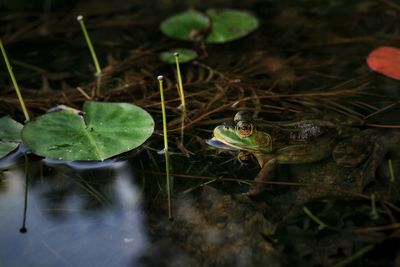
x=381, y=110
x=355, y=256
x=23, y=228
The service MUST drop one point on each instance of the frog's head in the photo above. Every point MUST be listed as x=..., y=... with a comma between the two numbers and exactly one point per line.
x=242, y=134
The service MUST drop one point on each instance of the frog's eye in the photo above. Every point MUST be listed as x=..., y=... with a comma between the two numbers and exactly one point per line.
x=242, y=115
x=244, y=128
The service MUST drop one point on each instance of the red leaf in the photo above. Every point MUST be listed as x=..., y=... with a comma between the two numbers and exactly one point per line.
x=385, y=60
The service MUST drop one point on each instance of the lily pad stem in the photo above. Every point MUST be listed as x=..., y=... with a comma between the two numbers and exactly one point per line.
x=93, y=53
x=181, y=94
x=14, y=81
x=167, y=165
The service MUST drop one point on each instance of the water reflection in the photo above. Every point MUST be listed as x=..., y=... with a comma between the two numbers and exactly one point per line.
x=10, y=159
x=82, y=218
x=86, y=165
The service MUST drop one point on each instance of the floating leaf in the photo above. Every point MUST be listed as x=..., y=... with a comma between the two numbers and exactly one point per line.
x=10, y=135
x=217, y=26
x=385, y=60
x=185, y=55
x=188, y=25
x=105, y=130
x=229, y=25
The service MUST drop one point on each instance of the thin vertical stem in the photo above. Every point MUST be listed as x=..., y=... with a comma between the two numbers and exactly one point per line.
x=374, y=212
x=181, y=94
x=391, y=172
x=166, y=154
x=92, y=52
x=14, y=81
x=23, y=229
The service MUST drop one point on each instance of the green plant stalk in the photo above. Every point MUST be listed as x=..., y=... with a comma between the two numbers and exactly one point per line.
x=321, y=224
x=93, y=53
x=166, y=154
x=391, y=172
x=181, y=94
x=14, y=81
x=374, y=212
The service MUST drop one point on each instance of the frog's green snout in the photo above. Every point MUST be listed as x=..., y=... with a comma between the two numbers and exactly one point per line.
x=226, y=134
x=220, y=130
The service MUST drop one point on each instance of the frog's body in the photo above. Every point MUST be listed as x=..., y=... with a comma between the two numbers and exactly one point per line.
x=281, y=143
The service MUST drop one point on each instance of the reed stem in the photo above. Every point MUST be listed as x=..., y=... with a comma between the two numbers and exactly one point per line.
x=93, y=53
x=181, y=94
x=166, y=154
x=14, y=82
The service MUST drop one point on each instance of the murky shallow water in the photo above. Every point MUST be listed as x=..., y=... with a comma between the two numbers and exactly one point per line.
x=71, y=221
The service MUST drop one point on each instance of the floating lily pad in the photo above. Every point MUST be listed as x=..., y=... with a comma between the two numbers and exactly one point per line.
x=385, y=60
x=105, y=130
x=10, y=135
x=216, y=26
x=188, y=25
x=185, y=55
x=229, y=25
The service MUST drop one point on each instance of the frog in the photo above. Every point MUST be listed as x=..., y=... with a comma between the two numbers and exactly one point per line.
x=293, y=142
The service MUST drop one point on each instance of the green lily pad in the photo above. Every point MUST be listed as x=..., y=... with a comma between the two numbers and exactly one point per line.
x=216, y=26
x=105, y=130
x=187, y=26
x=229, y=25
x=185, y=55
x=10, y=135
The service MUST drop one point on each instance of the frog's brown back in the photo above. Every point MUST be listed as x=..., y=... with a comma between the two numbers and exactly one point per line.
x=300, y=132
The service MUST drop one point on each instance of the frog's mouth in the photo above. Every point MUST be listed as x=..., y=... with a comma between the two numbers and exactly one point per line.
x=214, y=142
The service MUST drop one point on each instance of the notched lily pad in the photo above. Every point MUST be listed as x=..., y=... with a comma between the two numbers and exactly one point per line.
x=105, y=130
x=216, y=26
x=187, y=26
x=185, y=55
x=229, y=25
x=10, y=135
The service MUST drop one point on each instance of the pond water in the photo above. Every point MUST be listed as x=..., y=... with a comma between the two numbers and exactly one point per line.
x=305, y=61
x=72, y=220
